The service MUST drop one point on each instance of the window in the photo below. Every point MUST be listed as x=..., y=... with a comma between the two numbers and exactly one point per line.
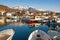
x=38, y=35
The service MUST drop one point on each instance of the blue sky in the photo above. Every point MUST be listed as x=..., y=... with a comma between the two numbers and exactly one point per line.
x=53, y=5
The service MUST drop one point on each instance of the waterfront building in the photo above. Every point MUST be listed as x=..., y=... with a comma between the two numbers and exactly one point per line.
x=8, y=14
x=15, y=18
x=9, y=20
x=38, y=18
x=2, y=19
x=3, y=13
x=27, y=12
x=57, y=14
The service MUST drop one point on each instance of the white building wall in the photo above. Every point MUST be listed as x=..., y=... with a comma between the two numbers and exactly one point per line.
x=37, y=18
x=2, y=12
x=2, y=20
x=9, y=14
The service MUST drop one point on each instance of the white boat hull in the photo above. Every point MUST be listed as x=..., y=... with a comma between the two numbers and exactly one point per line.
x=54, y=34
x=7, y=32
x=39, y=35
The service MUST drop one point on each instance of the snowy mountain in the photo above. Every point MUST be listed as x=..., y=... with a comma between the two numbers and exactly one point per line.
x=20, y=7
x=31, y=9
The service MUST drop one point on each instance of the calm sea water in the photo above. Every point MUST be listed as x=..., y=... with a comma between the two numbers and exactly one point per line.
x=23, y=32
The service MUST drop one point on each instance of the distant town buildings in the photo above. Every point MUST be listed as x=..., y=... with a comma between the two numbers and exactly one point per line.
x=16, y=16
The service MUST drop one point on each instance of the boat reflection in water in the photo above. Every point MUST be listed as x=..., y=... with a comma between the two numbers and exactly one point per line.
x=33, y=23
x=39, y=35
x=6, y=34
x=19, y=24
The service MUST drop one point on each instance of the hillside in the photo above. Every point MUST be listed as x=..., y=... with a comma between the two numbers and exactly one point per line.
x=6, y=8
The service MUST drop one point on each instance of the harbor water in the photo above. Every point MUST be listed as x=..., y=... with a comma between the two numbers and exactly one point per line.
x=23, y=32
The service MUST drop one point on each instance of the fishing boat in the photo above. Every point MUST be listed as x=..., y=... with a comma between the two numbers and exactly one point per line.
x=58, y=20
x=39, y=35
x=55, y=35
x=6, y=34
x=34, y=23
